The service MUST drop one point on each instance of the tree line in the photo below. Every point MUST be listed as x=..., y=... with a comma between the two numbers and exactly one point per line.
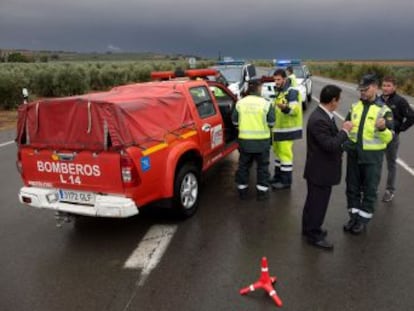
x=74, y=78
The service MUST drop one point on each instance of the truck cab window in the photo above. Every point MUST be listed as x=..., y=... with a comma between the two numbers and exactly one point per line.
x=203, y=101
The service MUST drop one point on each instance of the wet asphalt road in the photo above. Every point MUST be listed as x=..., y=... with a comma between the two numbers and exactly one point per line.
x=212, y=255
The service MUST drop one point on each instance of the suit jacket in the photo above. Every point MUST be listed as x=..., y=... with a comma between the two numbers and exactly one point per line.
x=324, y=149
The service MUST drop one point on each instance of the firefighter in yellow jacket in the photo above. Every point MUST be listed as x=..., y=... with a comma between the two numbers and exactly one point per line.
x=368, y=139
x=288, y=127
x=254, y=116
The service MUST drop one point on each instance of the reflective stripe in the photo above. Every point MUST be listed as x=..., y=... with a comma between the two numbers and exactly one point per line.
x=265, y=269
x=154, y=149
x=188, y=134
x=262, y=188
x=242, y=186
x=272, y=293
x=253, y=132
x=161, y=146
x=365, y=214
x=373, y=142
x=287, y=130
x=295, y=103
x=251, y=287
x=353, y=210
x=361, y=213
x=286, y=168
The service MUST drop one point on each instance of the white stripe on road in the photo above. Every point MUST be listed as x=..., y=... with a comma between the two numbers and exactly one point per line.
x=405, y=166
x=399, y=161
x=6, y=143
x=150, y=250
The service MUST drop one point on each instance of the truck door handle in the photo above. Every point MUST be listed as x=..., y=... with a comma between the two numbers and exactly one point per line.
x=206, y=127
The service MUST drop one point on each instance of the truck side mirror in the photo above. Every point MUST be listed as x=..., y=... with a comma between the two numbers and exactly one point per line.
x=25, y=94
x=251, y=71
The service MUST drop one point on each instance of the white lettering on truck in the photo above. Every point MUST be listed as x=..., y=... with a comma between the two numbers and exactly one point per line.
x=69, y=168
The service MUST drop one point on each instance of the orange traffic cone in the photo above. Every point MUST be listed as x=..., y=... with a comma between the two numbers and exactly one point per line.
x=265, y=282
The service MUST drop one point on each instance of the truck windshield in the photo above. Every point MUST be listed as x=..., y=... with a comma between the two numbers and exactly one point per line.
x=232, y=74
x=298, y=71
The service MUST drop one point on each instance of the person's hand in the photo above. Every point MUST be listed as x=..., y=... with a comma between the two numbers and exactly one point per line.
x=380, y=124
x=282, y=105
x=347, y=126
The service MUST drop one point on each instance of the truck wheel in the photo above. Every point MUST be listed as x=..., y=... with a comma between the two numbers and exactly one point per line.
x=186, y=190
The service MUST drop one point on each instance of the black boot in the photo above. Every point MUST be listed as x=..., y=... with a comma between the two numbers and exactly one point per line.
x=358, y=228
x=276, y=176
x=350, y=224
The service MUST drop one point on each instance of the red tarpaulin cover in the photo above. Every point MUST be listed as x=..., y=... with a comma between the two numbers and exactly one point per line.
x=126, y=115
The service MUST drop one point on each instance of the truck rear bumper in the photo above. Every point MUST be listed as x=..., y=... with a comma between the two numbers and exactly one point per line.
x=105, y=205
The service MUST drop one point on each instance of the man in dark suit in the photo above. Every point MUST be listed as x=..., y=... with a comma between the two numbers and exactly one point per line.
x=323, y=164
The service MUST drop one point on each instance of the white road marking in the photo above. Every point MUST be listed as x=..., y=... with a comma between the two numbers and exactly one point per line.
x=6, y=143
x=399, y=161
x=150, y=250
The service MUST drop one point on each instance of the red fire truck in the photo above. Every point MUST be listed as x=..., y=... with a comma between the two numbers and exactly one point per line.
x=107, y=154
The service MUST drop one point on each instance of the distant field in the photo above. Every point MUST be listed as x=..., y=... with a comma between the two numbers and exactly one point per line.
x=56, y=79
x=8, y=119
x=82, y=73
x=407, y=63
x=351, y=71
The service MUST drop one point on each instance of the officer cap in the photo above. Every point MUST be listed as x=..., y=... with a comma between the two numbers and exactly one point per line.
x=367, y=80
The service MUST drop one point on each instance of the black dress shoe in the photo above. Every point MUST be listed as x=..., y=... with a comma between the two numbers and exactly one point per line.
x=324, y=244
x=358, y=228
x=349, y=225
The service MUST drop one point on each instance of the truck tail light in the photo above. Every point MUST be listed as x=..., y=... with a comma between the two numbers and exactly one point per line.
x=129, y=172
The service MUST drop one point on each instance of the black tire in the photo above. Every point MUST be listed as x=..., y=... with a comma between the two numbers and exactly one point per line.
x=186, y=190
x=309, y=96
x=304, y=105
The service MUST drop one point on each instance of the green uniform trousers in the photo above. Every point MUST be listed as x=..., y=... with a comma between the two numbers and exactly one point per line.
x=362, y=181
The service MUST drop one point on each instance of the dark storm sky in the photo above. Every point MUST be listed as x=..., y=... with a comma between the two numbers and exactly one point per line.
x=308, y=29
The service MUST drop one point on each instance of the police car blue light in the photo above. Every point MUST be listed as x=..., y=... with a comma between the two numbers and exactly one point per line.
x=231, y=62
x=286, y=62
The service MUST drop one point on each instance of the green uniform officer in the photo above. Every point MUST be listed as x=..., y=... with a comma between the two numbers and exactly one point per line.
x=368, y=139
x=254, y=116
x=288, y=127
x=291, y=76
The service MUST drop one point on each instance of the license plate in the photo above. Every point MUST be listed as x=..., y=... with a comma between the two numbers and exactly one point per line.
x=76, y=197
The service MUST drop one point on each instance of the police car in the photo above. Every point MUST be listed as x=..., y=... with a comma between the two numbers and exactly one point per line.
x=303, y=79
x=237, y=74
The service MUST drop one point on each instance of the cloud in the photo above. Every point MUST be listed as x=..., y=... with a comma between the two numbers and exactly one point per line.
x=242, y=28
x=113, y=48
